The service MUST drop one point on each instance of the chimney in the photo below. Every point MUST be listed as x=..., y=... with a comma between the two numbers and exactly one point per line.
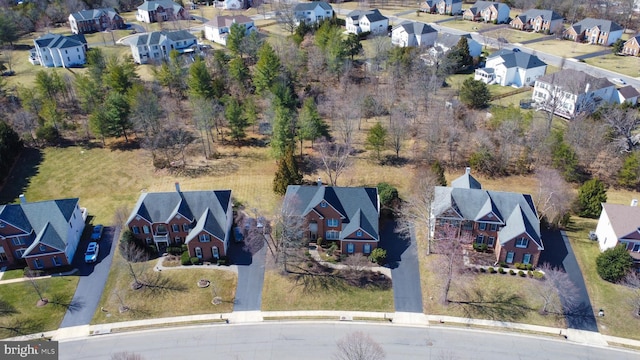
x=467, y=170
x=319, y=181
x=634, y=202
x=177, y=186
x=23, y=200
x=587, y=88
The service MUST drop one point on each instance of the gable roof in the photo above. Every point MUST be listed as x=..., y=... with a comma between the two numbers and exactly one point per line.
x=450, y=40
x=155, y=4
x=466, y=181
x=415, y=28
x=636, y=38
x=371, y=15
x=450, y=2
x=628, y=92
x=429, y=3
x=518, y=59
x=546, y=15
x=589, y=23
x=157, y=37
x=308, y=6
x=358, y=206
x=624, y=219
x=226, y=21
x=575, y=81
x=92, y=14
x=55, y=41
x=480, y=6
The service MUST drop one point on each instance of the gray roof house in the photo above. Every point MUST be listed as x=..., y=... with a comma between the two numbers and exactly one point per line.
x=511, y=68
x=157, y=45
x=372, y=21
x=594, y=31
x=312, y=12
x=628, y=94
x=53, y=50
x=86, y=21
x=45, y=234
x=347, y=215
x=538, y=20
x=411, y=33
x=445, y=41
x=620, y=225
x=200, y=219
x=160, y=10
x=506, y=222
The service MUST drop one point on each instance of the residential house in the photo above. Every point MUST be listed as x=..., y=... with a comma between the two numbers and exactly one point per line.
x=488, y=11
x=411, y=33
x=44, y=234
x=570, y=92
x=88, y=21
x=547, y=21
x=53, y=50
x=449, y=7
x=312, y=12
x=200, y=219
x=628, y=94
x=218, y=29
x=234, y=4
x=511, y=68
x=594, y=31
x=445, y=41
x=160, y=10
x=506, y=222
x=372, y=21
x=429, y=6
x=632, y=46
x=156, y=46
x=620, y=225
x=348, y=216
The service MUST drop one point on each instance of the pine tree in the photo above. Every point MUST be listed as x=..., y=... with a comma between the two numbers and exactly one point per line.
x=629, y=175
x=287, y=173
x=237, y=122
x=282, y=137
x=377, y=138
x=200, y=82
x=311, y=126
x=267, y=68
x=590, y=197
x=438, y=170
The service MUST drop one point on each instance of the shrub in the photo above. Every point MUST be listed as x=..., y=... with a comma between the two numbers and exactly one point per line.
x=503, y=264
x=501, y=270
x=483, y=270
x=184, y=247
x=363, y=35
x=185, y=259
x=613, y=264
x=529, y=267
x=512, y=272
x=195, y=260
x=222, y=261
x=530, y=273
x=521, y=273
x=174, y=250
x=319, y=241
x=480, y=247
x=538, y=275
x=378, y=255
x=491, y=270
x=332, y=248
x=518, y=266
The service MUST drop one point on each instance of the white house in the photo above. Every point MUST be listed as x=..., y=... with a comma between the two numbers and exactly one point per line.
x=218, y=29
x=53, y=50
x=509, y=68
x=410, y=33
x=157, y=45
x=359, y=21
x=449, y=7
x=160, y=10
x=311, y=12
x=620, y=224
x=570, y=92
x=628, y=94
x=234, y=4
x=445, y=41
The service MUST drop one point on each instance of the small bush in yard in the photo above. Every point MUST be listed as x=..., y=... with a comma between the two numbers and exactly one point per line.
x=501, y=270
x=491, y=270
x=538, y=275
x=483, y=270
x=195, y=260
x=521, y=273
x=511, y=272
x=185, y=259
x=530, y=273
x=378, y=255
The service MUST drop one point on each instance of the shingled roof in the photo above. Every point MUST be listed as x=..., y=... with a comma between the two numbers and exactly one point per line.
x=518, y=59
x=416, y=28
x=59, y=41
x=589, y=23
x=155, y=4
x=308, y=6
x=157, y=37
x=371, y=15
x=226, y=21
x=574, y=80
x=624, y=219
x=94, y=14
x=546, y=15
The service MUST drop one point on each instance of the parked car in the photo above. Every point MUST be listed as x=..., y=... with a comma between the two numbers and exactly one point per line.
x=618, y=81
x=91, y=255
x=237, y=233
x=96, y=235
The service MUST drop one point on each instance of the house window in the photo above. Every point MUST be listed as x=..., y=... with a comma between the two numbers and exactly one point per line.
x=56, y=261
x=3, y=255
x=522, y=242
x=358, y=233
x=175, y=228
x=332, y=235
x=215, y=252
x=494, y=227
x=491, y=241
x=468, y=225
x=145, y=229
x=18, y=241
x=19, y=253
x=482, y=226
x=350, y=248
x=332, y=222
x=148, y=240
x=480, y=239
x=1, y=224
x=509, y=258
x=366, y=248
x=198, y=253
x=185, y=227
x=135, y=229
x=43, y=248
x=204, y=238
x=636, y=247
x=526, y=259
x=161, y=230
x=38, y=264
x=177, y=239
x=323, y=204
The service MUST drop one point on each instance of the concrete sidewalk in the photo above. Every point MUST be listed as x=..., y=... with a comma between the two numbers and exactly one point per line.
x=22, y=279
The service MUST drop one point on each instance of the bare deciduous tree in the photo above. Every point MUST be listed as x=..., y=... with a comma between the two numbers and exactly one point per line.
x=120, y=216
x=285, y=16
x=358, y=346
x=558, y=293
x=553, y=197
x=632, y=281
x=288, y=238
x=623, y=122
x=449, y=243
x=334, y=159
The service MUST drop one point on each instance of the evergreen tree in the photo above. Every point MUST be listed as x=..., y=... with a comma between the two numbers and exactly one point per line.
x=287, y=173
x=237, y=122
x=438, y=171
x=200, y=82
x=377, y=138
x=353, y=45
x=282, y=137
x=463, y=50
x=119, y=76
x=267, y=68
x=590, y=197
x=235, y=38
x=239, y=72
x=629, y=175
x=117, y=110
x=617, y=47
x=311, y=126
x=475, y=94
x=10, y=148
x=250, y=111
x=614, y=264
x=564, y=158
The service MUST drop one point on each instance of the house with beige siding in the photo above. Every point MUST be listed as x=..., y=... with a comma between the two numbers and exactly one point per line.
x=594, y=31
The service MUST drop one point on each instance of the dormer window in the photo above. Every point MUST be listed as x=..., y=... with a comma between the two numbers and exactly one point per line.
x=359, y=233
x=323, y=204
x=43, y=248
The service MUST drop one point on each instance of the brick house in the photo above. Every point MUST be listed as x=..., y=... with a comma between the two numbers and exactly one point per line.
x=487, y=11
x=594, y=31
x=620, y=225
x=632, y=46
x=449, y=7
x=348, y=216
x=88, y=21
x=538, y=21
x=44, y=234
x=506, y=222
x=160, y=10
x=200, y=219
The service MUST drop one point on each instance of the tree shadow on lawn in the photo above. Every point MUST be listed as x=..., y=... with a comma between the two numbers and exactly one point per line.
x=19, y=178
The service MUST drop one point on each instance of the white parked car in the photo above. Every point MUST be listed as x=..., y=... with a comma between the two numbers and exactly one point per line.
x=618, y=81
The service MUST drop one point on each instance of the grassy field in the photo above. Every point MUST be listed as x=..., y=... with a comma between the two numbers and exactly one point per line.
x=23, y=298
x=626, y=65
x=514, y=36
x=190, y=300
x=426, y=18
x=13, y=274
x=470, y=26
x=282, y=293
x=564, y=48
x=619, y=319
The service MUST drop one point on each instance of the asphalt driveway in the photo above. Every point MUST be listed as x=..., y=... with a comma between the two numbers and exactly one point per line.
x=92, y=279
x=250, y=277
x=402, y=258
x=558, y=252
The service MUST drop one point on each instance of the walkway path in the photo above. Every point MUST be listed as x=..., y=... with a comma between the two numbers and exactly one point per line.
x=313, y=250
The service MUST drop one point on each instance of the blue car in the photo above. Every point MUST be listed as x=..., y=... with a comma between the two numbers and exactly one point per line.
x=237, y=233
x=96, y=235
x=91, y=255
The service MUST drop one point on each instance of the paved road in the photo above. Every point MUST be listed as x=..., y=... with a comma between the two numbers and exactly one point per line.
x=92, y=280
x=250, y=278
x=318, y=341
x=558, y=252
x=402, y=258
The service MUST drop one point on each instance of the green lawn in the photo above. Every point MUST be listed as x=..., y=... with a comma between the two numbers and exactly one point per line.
x=282, y=293
x=13, y=274
x=470, y=26
x=564, y=48
x=29, y=318
x=514, y=36
x=626, y=65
